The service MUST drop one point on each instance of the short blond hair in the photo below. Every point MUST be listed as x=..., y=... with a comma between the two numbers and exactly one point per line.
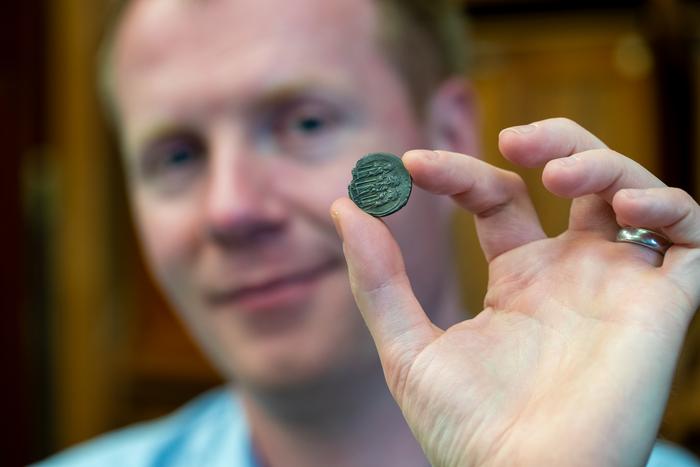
x=425, y=41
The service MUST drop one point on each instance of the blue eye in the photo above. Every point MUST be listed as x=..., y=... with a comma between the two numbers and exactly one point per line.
x=174, y=154
x=171, y=163
x=180, y=156
x=310, y=124
x=303, y=129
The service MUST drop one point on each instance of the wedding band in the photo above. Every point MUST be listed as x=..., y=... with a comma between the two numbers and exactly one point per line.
x=644, y=237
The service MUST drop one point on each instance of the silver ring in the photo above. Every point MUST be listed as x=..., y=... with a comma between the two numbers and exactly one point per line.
x=644, y=237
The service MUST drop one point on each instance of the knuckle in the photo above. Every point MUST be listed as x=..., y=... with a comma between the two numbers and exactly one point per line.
x=682, y=196
x=502, y=190
x=565, y=121
x=513, y=182
x=604, y=156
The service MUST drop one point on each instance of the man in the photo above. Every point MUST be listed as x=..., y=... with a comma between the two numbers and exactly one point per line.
x=240, y=122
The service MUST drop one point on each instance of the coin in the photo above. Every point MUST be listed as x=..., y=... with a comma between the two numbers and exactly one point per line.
x=380, y=184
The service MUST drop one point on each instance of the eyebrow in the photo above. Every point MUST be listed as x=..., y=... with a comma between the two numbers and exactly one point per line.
x=270, y=98
x=300, y=89
x=153, y=134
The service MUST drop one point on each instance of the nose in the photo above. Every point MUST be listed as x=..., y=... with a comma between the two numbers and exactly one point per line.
x=241, y=207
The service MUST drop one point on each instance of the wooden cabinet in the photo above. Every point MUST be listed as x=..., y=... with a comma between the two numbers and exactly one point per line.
x=596, y=70
x=118, y=353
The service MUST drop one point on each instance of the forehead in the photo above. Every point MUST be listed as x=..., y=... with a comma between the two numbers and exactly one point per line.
x=154, y=25
x=164, y=46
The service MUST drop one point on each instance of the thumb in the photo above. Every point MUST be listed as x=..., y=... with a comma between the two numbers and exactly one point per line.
x=398, y=324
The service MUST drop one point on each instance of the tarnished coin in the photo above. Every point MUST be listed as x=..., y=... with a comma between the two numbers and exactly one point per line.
x=380, y=184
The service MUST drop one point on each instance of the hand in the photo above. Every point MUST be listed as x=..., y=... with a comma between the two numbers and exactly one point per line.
x=571, y=360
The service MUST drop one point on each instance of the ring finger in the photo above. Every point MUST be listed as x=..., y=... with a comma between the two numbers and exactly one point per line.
x=591, y=179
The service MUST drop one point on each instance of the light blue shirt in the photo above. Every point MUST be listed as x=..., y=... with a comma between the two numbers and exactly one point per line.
x=212, y=431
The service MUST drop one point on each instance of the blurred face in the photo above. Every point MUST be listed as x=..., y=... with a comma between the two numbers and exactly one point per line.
x=241, y=121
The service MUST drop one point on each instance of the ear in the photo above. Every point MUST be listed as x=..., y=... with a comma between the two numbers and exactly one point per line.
x=452, y=118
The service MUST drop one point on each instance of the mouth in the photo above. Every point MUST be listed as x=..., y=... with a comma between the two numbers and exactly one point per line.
x=276, y=293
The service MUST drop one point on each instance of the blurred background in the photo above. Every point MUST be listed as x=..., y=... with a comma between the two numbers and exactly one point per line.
x=87, y=341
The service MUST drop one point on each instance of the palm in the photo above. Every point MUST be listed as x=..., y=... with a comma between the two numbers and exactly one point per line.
x=540, y=355
x=572, y=357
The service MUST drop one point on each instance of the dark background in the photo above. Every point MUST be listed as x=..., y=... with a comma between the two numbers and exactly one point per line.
x=88, y=343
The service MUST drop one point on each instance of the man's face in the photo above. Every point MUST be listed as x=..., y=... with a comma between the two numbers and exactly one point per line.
x=241, y=122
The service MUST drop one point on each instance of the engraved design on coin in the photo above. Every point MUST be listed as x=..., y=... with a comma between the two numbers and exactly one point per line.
x=380, y=184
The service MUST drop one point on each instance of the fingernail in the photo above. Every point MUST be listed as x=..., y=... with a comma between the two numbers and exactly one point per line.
x=568, y=161
x=632, y=194
x=521, y=129
x=335, y=215
x=430, y=155
x=425, y=154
